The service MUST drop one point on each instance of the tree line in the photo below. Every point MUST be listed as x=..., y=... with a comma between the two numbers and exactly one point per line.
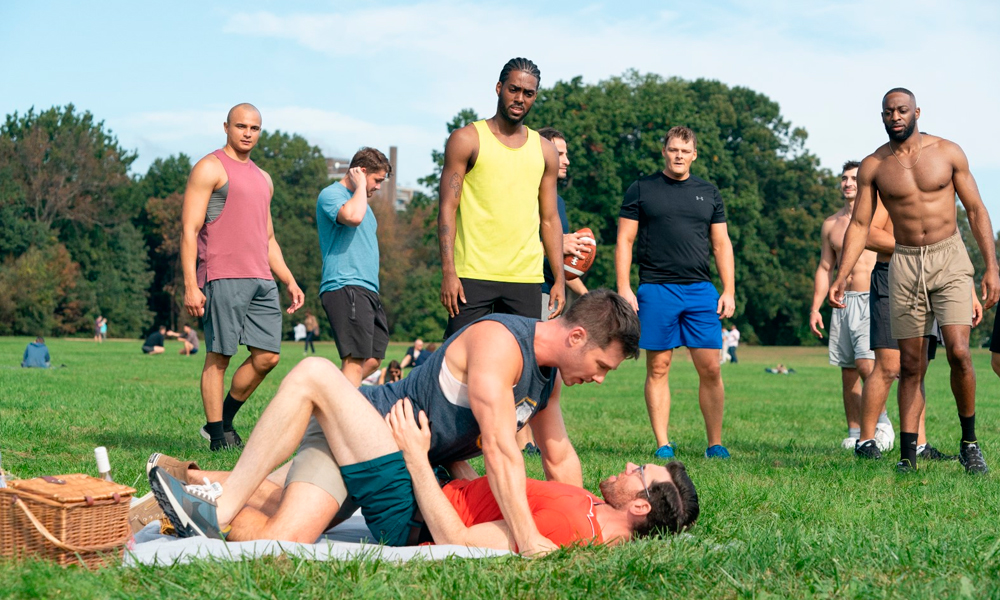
x=80, y=237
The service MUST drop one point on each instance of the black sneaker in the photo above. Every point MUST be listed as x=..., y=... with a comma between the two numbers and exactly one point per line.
x=971, y=458
x=233, y=438
x=230, y=440
x=531, y=450
x=931, y=453
x=869, y=450
x=904, y=466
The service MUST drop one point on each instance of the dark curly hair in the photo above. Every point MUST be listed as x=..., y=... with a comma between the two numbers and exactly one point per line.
x=520, y=64
x=674, y=505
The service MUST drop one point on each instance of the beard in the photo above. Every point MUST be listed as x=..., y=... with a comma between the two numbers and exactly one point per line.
x=508, y=117
x=614, y=495
x=903, y=135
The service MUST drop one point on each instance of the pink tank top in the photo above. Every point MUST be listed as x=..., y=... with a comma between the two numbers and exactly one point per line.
x=234, y=245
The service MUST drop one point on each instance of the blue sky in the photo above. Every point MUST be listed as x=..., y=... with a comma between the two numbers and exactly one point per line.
x=162, y=75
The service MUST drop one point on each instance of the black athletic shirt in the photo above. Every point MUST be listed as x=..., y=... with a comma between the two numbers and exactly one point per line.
x=154, y=339
x=673, y=243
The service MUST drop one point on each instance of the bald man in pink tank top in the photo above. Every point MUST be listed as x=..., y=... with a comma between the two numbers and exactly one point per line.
x=228, y=253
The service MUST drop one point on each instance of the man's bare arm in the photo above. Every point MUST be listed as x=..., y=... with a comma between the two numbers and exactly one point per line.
x=551, y=226
x=979, y=221
x=627, y=230
x=458, y=152
x=857, y=230
x=822, y=278
x=202, y=181
x=276, y=261
x=353, y=212
x=559, y=459
x=446, y=527
x=722, y=249
x=493, y=366
x=879, y=238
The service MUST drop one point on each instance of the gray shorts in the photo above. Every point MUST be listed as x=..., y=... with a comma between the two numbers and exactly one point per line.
x=849, y=331
x=314, y=463
x=241, y=312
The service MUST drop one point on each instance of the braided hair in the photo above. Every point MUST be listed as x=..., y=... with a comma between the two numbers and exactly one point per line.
x=520, y=64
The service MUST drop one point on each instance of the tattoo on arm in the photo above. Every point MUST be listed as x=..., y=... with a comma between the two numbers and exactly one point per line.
x=456, y=184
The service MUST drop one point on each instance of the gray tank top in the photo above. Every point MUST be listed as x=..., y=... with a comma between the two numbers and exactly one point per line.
x=216, y=202
x=454, y=431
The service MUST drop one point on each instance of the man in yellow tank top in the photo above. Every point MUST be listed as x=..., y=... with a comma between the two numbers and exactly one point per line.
x=498, y=188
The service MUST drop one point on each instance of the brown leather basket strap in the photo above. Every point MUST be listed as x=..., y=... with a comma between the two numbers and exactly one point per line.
x=68, y=547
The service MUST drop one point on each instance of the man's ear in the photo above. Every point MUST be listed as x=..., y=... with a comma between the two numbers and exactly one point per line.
x=640, y=507
x=499, y=87
x=578, y=336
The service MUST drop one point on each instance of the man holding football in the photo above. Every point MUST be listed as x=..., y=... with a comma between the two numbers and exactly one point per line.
x=680, y=220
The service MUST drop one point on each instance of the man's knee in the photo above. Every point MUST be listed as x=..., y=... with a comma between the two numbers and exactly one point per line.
x=709, y=372
x=658, y=364
x=263, y=362
x=960, y=358
x=911, y=367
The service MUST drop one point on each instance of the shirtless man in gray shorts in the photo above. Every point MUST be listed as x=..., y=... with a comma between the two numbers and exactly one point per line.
x=930, y=275
x=850, y=348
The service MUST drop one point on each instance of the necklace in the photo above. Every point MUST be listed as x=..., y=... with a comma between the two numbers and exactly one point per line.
x=919, y=152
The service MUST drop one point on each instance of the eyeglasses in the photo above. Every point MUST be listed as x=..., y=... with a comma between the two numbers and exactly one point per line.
x=642, y=478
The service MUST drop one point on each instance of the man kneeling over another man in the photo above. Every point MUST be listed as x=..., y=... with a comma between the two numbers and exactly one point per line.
x=486, y=382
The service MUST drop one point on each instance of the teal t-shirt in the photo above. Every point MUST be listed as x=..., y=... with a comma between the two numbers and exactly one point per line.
x=350, y=254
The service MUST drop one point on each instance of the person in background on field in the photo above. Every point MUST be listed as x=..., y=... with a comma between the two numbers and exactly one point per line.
x=734, y=343
x=312, y=331
x=413, y=354
x=36, y=355
x=189, y=338
x=154, y=342
x=100, y=327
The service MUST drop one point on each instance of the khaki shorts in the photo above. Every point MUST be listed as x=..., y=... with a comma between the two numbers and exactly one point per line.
x=927, y=283
x=314, y=463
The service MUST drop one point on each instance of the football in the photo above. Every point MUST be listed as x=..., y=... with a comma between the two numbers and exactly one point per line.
x=575, y=267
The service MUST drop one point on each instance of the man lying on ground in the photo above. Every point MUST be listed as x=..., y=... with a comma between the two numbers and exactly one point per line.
x=640, y=501
x=486, y=382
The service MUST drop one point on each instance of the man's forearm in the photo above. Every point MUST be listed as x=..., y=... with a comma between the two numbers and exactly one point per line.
x=982, y=229
x=552, y=241
x=276, y=261
x=854, y=245
x=577, y=286
x=623, y=265
x=189, y=258
x=444, y=523
x=446, y=239
x=726, y=265
x=568, y=470
x=505, y=473
x=821, y=287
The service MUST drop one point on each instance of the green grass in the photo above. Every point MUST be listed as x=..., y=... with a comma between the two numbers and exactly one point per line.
x=791, y=515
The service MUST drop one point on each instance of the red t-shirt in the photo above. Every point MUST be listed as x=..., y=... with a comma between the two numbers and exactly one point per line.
x=563, y=513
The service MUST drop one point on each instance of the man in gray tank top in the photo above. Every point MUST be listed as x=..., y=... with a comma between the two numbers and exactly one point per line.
x=491, y=375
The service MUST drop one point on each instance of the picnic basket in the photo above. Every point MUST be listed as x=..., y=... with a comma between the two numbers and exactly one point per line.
x=69, y=519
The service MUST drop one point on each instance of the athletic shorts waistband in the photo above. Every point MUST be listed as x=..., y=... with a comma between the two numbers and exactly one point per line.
x=855, y=294
x=945, y=244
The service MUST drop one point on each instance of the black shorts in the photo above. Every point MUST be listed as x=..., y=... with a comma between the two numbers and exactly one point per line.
x=995, y=340
x=147, y=349
x=359, y=326
x=880, y=333
x=487, y=297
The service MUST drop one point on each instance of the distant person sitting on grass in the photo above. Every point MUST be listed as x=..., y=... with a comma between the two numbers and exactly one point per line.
x=189, y=338
x=36, y=355
x=154, y=343
x=779, y=370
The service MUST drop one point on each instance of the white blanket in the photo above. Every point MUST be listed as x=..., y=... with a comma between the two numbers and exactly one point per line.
x=349, y=540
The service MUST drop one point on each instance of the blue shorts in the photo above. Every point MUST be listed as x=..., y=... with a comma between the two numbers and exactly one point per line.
x=676, y=314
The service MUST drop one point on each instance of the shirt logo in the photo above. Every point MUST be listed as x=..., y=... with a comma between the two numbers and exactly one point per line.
x=699, y=198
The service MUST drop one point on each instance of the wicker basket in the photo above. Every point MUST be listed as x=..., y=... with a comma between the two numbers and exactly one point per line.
x=69, y=519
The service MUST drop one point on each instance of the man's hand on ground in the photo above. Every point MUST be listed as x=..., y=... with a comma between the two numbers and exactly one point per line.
x=413, y=438
x=537, y=547
x=452, y=293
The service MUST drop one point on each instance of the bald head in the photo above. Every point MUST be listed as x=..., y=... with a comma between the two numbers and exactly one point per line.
x=244, y=106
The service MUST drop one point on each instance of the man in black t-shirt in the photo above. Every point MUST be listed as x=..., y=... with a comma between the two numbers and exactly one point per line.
x=679, y=220
x=154, y=343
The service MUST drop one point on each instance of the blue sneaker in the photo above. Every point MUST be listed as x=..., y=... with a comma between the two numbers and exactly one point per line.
x=717, y=451
x=190, y=508
x=665, y=451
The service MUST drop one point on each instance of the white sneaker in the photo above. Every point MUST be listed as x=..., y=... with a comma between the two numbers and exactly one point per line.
x=849, y=443
x=885, y=437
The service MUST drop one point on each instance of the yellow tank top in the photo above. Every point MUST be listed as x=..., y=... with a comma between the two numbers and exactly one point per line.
x=497, y=225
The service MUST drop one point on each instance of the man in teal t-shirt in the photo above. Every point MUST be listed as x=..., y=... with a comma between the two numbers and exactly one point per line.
x=347, y=239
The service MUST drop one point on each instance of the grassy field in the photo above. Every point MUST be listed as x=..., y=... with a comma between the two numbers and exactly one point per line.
x=790, y=516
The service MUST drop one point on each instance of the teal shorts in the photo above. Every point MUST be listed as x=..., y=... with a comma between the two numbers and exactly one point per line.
x=384, y=491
